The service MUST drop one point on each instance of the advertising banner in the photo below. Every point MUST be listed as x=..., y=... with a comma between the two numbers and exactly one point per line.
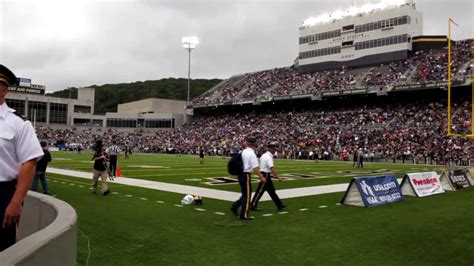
x=456, y=179
x=373, y=191
x=421, y=184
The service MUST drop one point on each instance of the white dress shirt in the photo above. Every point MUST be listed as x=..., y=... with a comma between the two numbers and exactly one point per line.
x=266, y=162
x=18, y=143
x=249, y=159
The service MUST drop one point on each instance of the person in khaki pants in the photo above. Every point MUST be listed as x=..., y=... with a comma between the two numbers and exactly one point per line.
x=100, y=168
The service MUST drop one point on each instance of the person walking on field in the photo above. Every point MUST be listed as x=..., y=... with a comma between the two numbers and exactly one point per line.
x=100, y=169
x=267, y=169
x=250, y=164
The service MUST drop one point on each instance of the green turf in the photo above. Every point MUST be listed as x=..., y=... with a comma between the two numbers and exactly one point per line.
x=134, y=231
x=184, y=169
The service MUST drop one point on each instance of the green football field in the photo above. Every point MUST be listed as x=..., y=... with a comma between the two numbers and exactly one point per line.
x=137, y=226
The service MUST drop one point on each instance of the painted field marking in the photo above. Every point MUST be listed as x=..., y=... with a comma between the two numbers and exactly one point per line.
x=71, y=184
x=159, y=201
x=63, y=183
x=200, y=210
x=282, y=212
x=143, y=198
x=81, y=186
x=323, y=206
x=55, y=181
x=303, y=210
x=219, y=213
x=128, y=196
x=267, y=214
x=116, y=193
x=178, y=205
x=338, y=204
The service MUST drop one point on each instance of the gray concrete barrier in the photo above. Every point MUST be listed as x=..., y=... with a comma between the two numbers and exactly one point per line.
x=47, y=234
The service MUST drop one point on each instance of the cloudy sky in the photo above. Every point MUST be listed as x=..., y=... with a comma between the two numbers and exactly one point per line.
x=66, y=43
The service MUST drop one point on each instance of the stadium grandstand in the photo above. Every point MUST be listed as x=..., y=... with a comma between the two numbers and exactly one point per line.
x=382, y=90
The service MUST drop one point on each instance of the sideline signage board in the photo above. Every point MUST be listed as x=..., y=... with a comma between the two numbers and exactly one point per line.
x=456, y=179
x=421, y=184
x=372, y=191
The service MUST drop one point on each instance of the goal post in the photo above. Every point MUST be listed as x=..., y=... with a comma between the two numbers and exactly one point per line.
x=449, y=129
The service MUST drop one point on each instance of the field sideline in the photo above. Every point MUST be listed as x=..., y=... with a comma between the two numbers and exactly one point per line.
x=136, y=226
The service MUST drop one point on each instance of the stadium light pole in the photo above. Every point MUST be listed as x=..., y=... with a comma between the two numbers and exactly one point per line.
x=189, y=43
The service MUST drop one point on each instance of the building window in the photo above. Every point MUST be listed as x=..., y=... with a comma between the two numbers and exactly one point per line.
x=58, y=113
x=18, y=105
x=119, y=122
x=348, y=27
x=37, y=111
x=82, y=109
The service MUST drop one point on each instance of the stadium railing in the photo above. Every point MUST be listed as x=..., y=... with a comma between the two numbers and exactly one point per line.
x=47, y=233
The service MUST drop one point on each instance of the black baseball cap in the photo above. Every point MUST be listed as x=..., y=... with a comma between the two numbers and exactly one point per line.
x=7, y=76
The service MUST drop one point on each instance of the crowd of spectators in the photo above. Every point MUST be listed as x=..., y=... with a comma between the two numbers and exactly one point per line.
x=413, y=131
x=422, y=67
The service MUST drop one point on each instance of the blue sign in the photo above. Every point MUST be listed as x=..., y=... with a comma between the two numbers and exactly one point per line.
x=378, y=190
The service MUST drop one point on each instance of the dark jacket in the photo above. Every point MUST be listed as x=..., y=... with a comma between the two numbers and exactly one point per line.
x=43, y=163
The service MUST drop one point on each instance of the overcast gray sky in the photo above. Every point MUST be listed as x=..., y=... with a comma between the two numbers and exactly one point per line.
x=69, y=43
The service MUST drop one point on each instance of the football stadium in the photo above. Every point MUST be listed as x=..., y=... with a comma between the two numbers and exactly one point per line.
x=369, y=132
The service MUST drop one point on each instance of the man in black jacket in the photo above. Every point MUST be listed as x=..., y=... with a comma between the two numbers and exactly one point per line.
x=41, y=166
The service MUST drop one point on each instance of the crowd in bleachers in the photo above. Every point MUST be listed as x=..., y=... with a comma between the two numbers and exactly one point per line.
x=413, y=131
x=421, y=67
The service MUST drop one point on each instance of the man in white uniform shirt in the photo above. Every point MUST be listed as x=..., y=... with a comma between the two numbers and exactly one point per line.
x=19, y=151
x=267, y=169
x=250, y=161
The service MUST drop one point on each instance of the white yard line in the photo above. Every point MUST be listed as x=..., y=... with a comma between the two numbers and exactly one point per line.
x=206, y=192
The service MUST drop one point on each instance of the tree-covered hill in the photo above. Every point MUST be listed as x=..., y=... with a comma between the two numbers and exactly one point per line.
x=108, y=96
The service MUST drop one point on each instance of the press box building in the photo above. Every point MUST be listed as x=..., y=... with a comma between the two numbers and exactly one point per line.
x=362, y=36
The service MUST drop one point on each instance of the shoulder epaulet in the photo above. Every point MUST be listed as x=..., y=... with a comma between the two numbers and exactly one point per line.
x=20, y=116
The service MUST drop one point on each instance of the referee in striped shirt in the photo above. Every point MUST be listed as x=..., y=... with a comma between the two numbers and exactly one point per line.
x=113, y=153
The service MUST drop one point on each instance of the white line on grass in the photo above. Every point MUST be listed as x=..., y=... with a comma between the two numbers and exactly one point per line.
x=282, y=212
x=323, y=206
x=143, y=198
x=304, y=209
x=267, y=214
x=177, y=205
x=128, y=196
x=200, y=210
x=88, y=247
x=159, y=201
x=63, y=182
x=71, y=184
x=338, y=204
x=219, y=213
x=116, y=193
x=81, y=186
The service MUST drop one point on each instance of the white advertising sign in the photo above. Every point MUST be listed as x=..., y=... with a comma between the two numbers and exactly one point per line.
x=423, y=184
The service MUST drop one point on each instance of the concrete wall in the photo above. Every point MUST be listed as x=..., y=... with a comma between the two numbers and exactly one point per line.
x=153, y=105
x=47, y=233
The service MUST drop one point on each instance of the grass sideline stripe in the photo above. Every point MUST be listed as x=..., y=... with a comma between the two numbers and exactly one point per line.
x=323, y=206
x=267, y=214
x=303, y=209
x=219, y=213
x=200, y=210
x=178, y=205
